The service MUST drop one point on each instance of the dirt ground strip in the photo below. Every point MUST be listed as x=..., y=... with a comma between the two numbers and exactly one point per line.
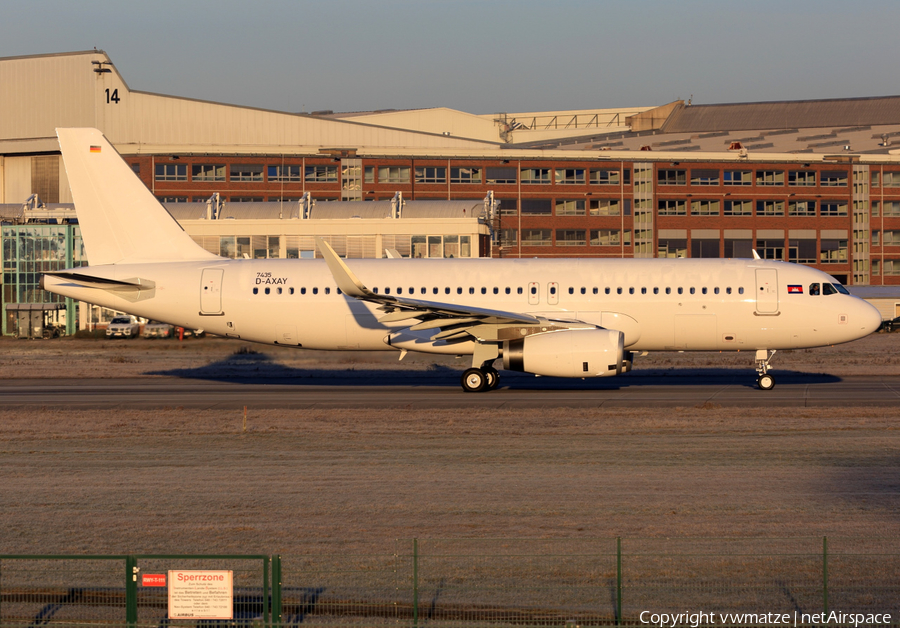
x=180, y=481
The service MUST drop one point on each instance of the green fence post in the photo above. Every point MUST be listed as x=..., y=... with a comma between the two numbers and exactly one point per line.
x=415, y=582
x=825, y=572
x=131, y=576
x=267, y=618
x=276, y=589
x=618, y=581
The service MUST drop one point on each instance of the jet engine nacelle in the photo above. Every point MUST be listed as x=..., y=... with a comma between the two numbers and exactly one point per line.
x=567, y=353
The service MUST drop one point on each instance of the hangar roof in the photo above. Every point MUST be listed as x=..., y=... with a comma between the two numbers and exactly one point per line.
x=838, y=112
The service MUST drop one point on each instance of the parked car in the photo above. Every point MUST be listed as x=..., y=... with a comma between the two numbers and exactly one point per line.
x=891, y=325
x=123, y=327
x=155, y=329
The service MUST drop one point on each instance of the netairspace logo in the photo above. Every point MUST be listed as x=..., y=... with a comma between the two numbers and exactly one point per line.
x=701, y=618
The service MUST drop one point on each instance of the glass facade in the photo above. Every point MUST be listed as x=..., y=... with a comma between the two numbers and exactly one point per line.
x=28, y=252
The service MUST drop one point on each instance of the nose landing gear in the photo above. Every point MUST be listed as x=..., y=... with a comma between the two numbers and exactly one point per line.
x=763, y=357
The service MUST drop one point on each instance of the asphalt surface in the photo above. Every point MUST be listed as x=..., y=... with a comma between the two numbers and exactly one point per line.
x=441, y=390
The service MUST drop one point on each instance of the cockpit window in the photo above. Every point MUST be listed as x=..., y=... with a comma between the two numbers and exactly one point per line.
x=840, y=288
x=814, y=289
x=828, y=288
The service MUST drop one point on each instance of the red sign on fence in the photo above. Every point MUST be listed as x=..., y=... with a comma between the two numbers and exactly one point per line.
x=153, y=579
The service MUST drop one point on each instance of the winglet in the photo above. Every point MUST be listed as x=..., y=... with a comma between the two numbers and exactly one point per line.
x=343, y=276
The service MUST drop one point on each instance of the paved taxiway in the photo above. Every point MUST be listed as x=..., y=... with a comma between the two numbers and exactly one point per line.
x=516, y=391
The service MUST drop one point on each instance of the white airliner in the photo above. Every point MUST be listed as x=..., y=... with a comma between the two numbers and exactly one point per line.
x=560, y=317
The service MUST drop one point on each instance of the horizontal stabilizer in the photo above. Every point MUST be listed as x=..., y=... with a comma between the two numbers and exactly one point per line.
x=112, y=285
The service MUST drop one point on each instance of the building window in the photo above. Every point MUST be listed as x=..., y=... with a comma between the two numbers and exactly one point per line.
x=536, y=176
x=742, y=249
x=802, y=251
x=569, y=176
x=136, y=168
x=208, y=172
x=246, y=172
x=605, y=237
x=833, y=251
x=889, y=238
x=171, y=172
x=704, y=248
x=605, y=177
x=891, y=267
x=834, y=178
x=536, y=237
x=671, y=248
x=246, y=199
x=770, y=177
x=770, y=208
x=604, y=207
x=536, y=207
x=172, y=199
x=892, y=179
x=834, y=208
x=705, y=208
x=674, y=207
x=802, y=208
x=737, y=208
x=500, y=176
x=570, y=237
x=287, y=174
x=431, y=174
x=671, y=177
x=570, y=208
x=321, y=174
x=509, y=237
x=368, y=174
x=393, y=174
x=770, y=249
x=737, y=177
x=802, y=178
x=465, y=175
x=508, y=207
x=704, y=177
x=351, y=179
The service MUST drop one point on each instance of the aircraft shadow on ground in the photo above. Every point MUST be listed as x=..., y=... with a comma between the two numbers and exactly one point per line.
x=260, y=368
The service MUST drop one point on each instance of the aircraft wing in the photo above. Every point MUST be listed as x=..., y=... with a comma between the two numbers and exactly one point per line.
x=430, y=314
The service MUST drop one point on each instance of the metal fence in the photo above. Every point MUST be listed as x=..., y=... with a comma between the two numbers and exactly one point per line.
x=470, y=583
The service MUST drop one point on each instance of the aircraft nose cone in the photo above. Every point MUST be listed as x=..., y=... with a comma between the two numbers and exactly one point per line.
x=869, y=317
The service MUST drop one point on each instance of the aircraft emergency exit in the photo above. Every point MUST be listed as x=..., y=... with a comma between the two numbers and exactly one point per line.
x=558, y=317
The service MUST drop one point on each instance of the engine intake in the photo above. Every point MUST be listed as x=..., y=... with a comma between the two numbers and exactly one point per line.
x=567, y=353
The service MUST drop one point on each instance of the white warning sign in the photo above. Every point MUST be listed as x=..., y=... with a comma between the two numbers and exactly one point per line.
x=200, y=594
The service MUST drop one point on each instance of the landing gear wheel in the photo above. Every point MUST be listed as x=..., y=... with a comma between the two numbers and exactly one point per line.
x=766, y=382
x=493, y=378
x=474, y=380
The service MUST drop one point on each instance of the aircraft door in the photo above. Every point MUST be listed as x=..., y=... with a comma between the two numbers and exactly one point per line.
x=211, y=292
x=553, y=293
x=766, y=290
x=534, y=293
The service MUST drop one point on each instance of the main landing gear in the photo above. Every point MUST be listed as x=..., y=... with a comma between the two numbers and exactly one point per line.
x=480, y=379
x=763, y=357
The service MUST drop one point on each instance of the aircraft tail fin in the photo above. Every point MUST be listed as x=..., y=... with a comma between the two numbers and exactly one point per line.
x=120, y=219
